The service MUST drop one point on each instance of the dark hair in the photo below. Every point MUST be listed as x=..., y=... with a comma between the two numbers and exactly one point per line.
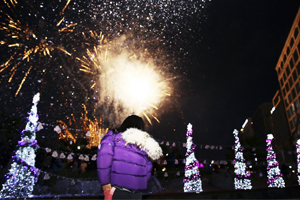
x=132, y=121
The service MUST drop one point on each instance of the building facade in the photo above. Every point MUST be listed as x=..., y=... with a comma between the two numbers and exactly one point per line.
x=282, y=142
x=288, y=71
x=262, y=120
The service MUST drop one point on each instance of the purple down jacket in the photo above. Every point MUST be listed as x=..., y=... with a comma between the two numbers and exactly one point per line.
x=124, y=159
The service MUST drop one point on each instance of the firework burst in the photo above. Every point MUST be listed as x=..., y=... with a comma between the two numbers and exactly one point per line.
x=29, y=33
x=36, y=36
x=91, y=63
x=85, y=127
x=129, y=80
x=131, y=66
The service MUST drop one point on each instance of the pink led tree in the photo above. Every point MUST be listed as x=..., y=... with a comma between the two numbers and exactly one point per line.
x=273, y=172
x=298, y=160
x=240, y=168
x=22, y=175
x=192, y=181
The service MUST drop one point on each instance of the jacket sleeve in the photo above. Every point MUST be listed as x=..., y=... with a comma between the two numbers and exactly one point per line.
x=149, y=169
x=104, y=158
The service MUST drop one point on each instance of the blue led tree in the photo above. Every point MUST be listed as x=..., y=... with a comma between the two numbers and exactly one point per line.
x=22, y=175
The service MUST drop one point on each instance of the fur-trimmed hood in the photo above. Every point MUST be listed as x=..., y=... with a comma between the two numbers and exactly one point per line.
x=144, y=141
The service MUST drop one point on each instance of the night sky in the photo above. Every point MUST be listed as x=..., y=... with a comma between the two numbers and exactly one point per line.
x=225, y=54
x=232, y=68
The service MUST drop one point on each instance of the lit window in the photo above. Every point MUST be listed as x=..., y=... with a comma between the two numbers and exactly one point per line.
x=245, y=123
x=272, y=110
x=292, y=109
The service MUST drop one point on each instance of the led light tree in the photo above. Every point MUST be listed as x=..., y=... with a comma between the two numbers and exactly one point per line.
x=192, y=181
x=22, y=175
x=298, y=160
x=273, y=172
x=240, y=181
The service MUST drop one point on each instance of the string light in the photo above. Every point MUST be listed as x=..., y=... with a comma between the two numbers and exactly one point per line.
x=273, y=172
x=298, y=160
x=22, y=175
x=240, y=167
x=192, y=181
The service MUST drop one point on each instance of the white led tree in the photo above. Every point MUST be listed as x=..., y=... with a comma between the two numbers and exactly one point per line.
x=298, y=160
x=240, y=168
x=192, y=181
x=22, y=175
x=273, y=172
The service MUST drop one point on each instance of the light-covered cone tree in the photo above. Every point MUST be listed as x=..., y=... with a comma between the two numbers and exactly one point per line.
x=192, y=181
x=22, y=175
x=298, y=160
x=273, y=172
x=241, y=180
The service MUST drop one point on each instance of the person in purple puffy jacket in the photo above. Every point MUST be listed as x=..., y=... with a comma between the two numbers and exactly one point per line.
x=124, y=161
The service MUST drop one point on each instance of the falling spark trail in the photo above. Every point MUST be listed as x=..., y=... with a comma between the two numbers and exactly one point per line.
x=24, y=39
x=156, y=118
x=148, y=119
x=21, y=84
x=63, y=10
